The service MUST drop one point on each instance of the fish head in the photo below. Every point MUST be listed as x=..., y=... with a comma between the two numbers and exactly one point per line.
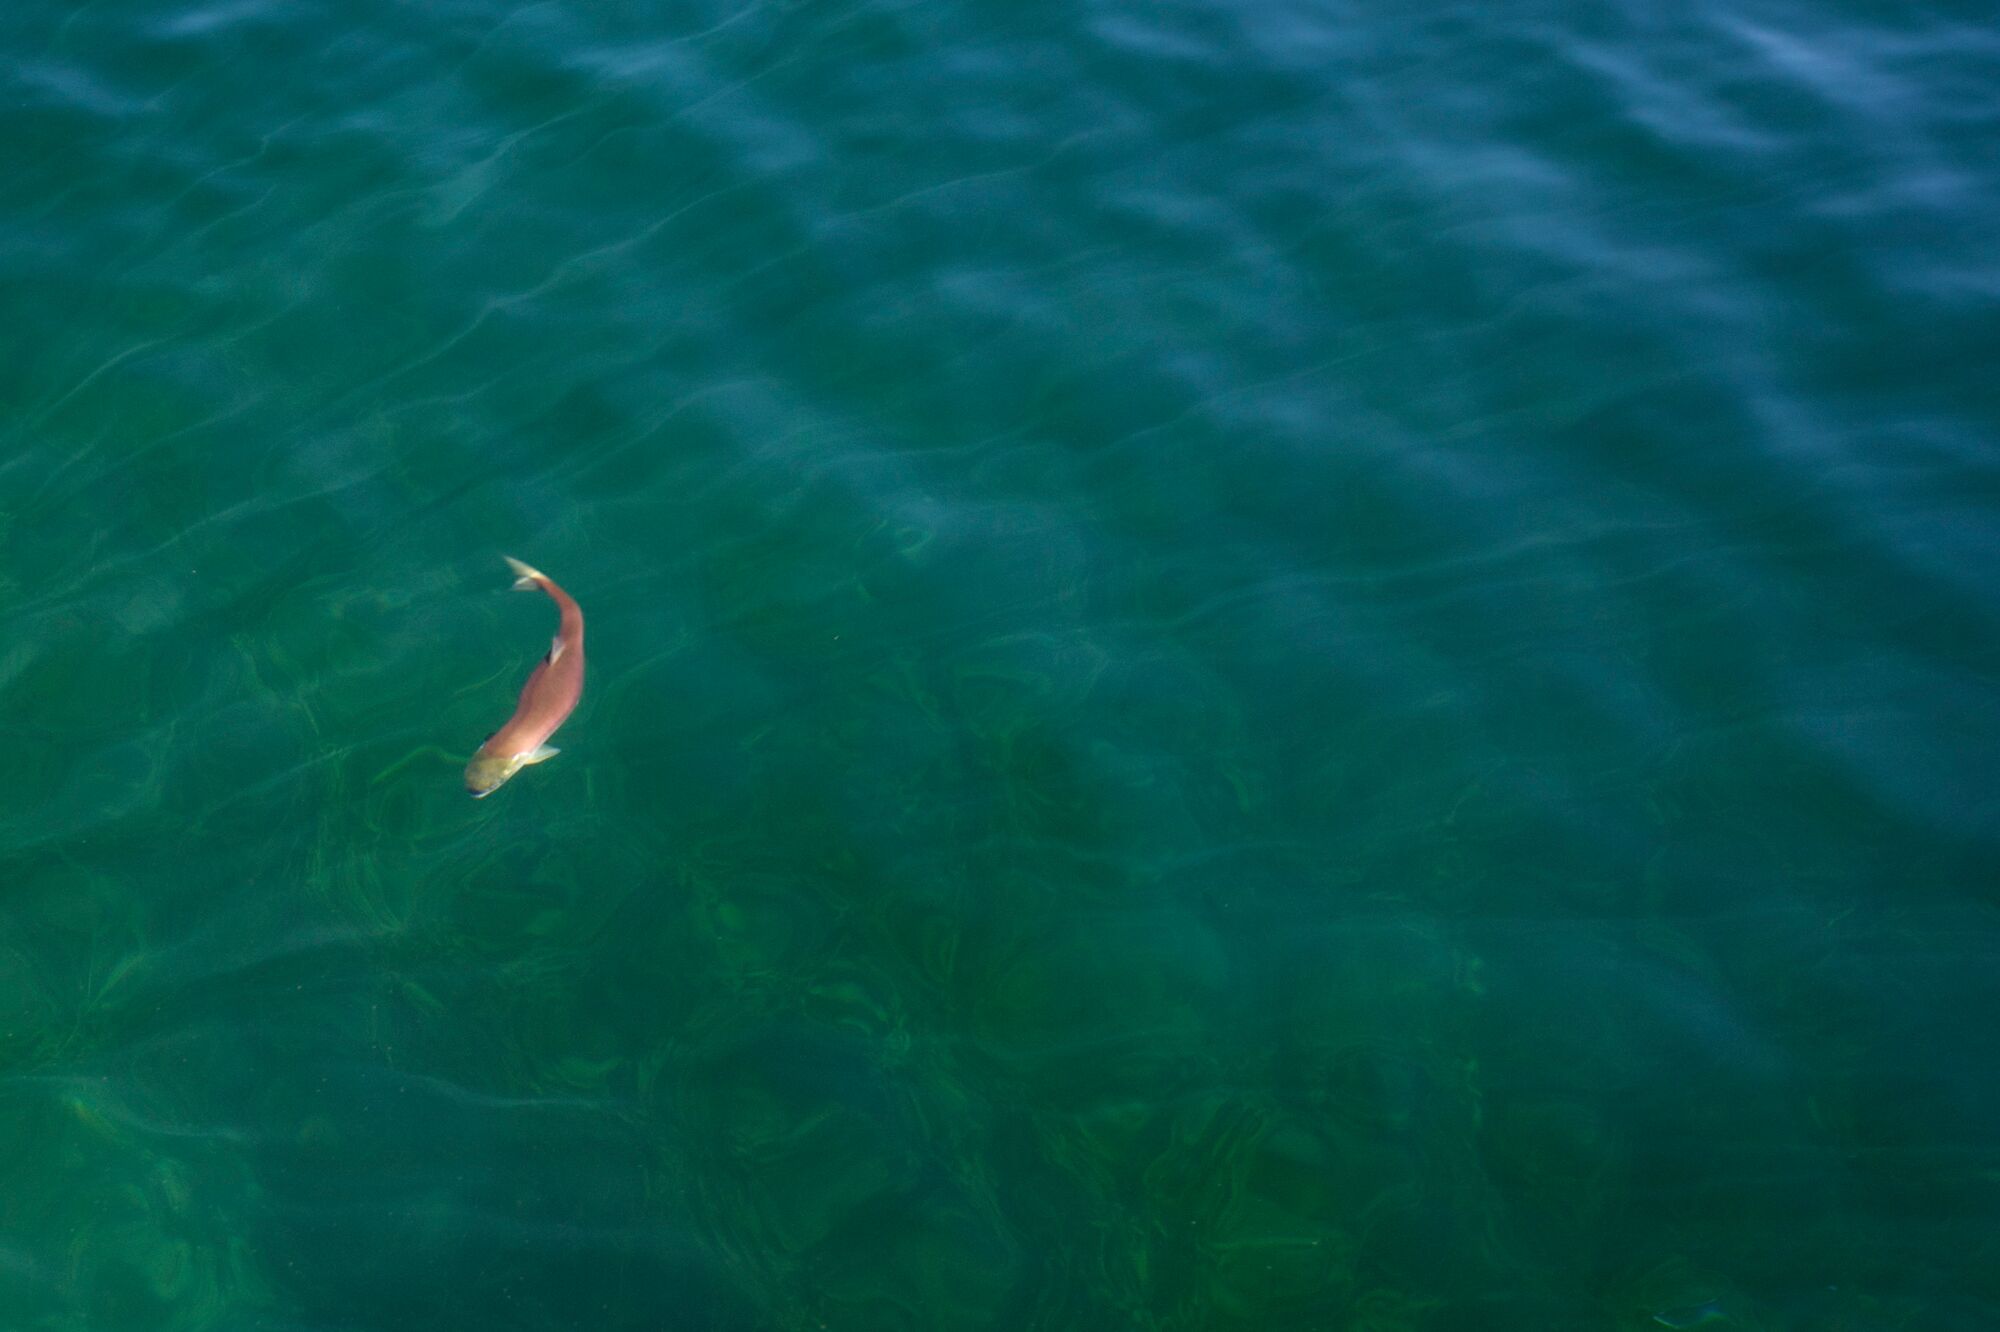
x=489, y=771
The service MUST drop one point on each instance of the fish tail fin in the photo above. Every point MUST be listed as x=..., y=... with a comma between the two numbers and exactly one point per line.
x=526, y=579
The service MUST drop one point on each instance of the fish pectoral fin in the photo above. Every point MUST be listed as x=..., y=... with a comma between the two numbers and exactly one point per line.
x=555, y=648
x=541, y=754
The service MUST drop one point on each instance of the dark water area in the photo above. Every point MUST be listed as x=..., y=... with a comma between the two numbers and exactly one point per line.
x=1281, y=666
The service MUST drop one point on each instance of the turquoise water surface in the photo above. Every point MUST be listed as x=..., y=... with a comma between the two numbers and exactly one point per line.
x=1296, y=665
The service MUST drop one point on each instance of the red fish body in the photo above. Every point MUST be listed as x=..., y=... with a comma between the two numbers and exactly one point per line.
x=546, y=700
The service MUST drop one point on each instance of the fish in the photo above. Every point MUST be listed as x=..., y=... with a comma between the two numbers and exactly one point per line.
x=546, y=700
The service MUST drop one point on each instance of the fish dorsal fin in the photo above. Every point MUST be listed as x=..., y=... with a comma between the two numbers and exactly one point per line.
x=555, y=648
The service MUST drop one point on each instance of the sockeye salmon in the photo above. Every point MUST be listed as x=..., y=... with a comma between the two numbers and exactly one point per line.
x=546, y=700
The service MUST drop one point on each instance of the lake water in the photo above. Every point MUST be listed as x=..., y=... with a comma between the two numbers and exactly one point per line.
x=1300, y=665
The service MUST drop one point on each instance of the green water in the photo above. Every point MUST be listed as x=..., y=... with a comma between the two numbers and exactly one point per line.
x=1278, y=666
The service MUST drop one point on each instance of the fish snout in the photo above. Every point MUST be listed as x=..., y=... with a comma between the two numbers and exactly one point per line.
x=486, y=773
